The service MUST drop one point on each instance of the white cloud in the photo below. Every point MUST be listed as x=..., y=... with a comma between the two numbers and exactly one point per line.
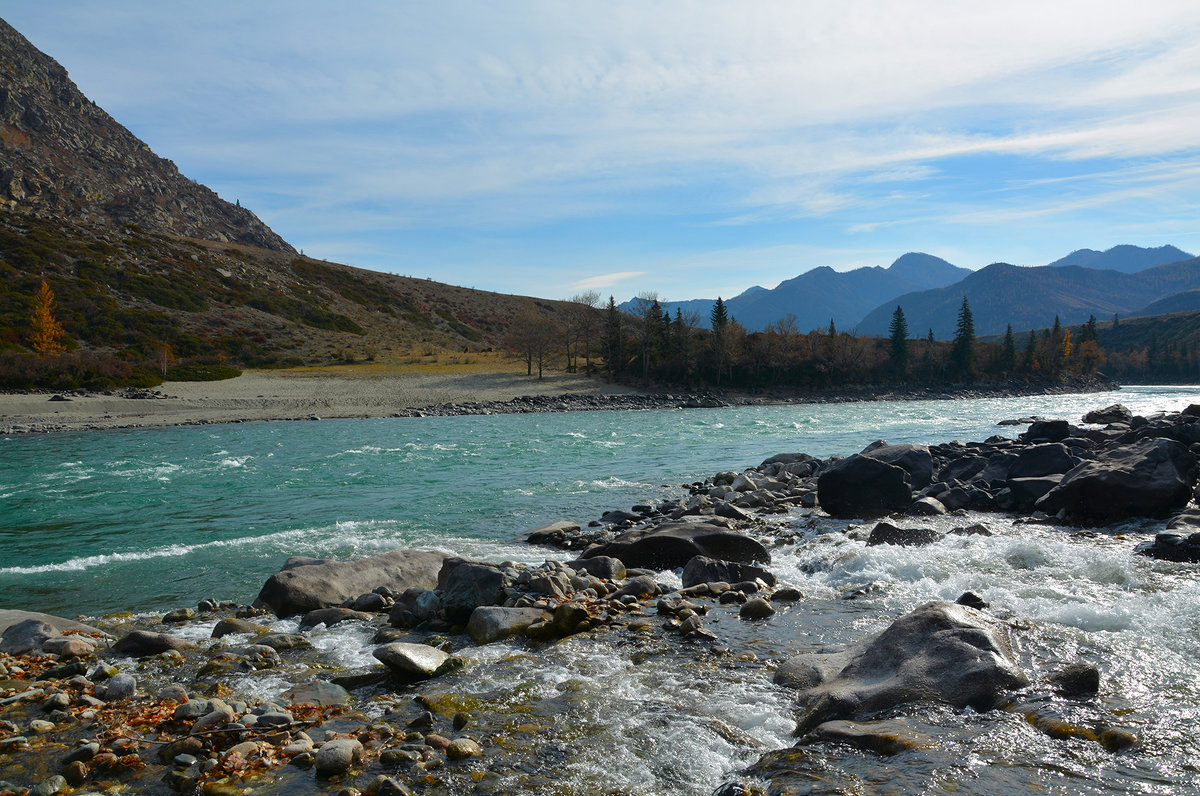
x=605, y=280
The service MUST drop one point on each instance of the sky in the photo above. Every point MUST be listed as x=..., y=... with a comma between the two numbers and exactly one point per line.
x=692, y=149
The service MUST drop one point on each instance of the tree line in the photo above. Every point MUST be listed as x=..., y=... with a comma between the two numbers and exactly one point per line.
x=650, y=345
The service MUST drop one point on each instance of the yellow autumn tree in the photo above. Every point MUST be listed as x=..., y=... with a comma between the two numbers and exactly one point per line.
x=46, y=333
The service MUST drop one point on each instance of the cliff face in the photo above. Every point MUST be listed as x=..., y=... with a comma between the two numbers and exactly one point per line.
x=62, y=156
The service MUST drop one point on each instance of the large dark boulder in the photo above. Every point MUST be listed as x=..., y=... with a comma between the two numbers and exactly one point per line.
x=941, y=652
x=674, y=544
x=1172, y=546
x=1146, y=479
x=305, y=584
x=1050, y=458
x=702, y=569
x=886, y=533
x=142, y=643
x=862, y=486
x=1047, y=431
x=465, y=586
x=1117, y=413
x=915, y=460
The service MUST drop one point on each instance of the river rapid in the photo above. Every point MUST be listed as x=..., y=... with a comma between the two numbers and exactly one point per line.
x=152, y=519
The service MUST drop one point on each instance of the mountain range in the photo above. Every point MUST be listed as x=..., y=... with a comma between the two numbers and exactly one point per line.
x=1123, y=280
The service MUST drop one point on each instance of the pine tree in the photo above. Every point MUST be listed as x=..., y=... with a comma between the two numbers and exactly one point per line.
x=719, y=320
x=898, y=332
x=1029, y=361
x=1008, y=351
x=962, y=350
x=46, y=333
x=614, y=341
x=832, y=328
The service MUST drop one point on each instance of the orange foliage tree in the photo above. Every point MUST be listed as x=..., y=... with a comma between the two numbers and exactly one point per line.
x=46, y=333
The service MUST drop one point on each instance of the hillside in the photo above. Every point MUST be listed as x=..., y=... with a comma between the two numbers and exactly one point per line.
x=124, y=291
x=821, y=294
x=61, y=156
x=1030, y=298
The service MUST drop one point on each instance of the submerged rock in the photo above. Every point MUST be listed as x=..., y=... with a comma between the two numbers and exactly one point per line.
x=940, y=652
x=490, y=623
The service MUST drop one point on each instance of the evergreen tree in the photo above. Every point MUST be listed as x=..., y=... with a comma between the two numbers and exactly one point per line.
x=898, y=332
x=1008, y=351
x=929, y=339
x=962, y=350
x=614, y=340
x=832, y=328
x=1029, y=361
x=719, y=319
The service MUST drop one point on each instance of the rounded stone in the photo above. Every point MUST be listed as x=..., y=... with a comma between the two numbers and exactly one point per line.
x=756, y=608
x=336, y=757
x=462, y=748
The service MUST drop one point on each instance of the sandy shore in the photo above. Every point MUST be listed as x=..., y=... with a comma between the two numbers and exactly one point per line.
x=356, y=391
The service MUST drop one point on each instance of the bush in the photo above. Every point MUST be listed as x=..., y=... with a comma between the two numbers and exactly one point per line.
x=197, y=372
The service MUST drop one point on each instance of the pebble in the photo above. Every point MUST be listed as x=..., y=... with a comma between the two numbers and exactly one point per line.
x=756, y=608
x=336, y=757
x=462, y=748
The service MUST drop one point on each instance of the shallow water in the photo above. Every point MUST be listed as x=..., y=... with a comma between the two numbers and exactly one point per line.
x=157, y=518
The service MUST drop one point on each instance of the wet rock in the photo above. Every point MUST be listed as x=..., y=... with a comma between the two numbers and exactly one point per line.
x=756, y=608
x=553, y=533
x=605, y=567
x=1035, y=461
x=284, y=641
x=971, y=600
x=75, y=773
x=787, y=594
x=173, y=693
x=927, y=507
x=49, y=787
x=1047, y=431
x=143, y=643
x=306, y=584
x=179, y=615
x=465, y=585
x=219, y=717
x=411, y=662
x=333, y=616
x=232, y=625
x=82, y=753
x=1117, y=413
x=121, y=686
x=1171, y=546
x=885, y=737
x=640, y=586
x=392, y=787
x=1026, y=492
x=702, y=569
x=337, y=756
x=1148, y=478
x=886, y=533
x=493, y=623
x=462, y=748
x=1078, y=680
x=861, y=486
x=940, y=652
x=673, y=544
x=318, y=693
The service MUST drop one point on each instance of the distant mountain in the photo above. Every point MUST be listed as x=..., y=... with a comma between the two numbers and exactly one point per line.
x=62, y=156
x=1030, y=298
x=1126, y=259
x=821, y=294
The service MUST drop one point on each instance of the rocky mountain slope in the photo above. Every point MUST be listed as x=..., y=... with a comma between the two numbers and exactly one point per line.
x=63, y=156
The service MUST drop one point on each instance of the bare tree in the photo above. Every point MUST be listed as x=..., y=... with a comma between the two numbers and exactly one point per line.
x=531, y=334
x=585, y=321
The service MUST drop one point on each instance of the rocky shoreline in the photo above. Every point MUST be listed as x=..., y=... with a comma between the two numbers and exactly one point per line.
x=152, y=702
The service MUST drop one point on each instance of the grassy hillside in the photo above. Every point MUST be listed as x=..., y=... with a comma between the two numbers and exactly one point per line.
x=126, y=297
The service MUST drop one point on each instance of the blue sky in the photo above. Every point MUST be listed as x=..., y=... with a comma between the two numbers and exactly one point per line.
x=693, y=149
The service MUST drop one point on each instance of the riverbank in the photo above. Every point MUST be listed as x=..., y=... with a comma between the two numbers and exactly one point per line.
x=369, y=391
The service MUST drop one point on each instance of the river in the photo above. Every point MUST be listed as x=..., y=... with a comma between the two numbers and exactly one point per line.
x=150, y=519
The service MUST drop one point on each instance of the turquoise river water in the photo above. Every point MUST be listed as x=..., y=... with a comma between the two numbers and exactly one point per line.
x=151, y=519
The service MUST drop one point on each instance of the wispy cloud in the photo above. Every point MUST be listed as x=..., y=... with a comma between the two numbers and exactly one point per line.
x=605, y=280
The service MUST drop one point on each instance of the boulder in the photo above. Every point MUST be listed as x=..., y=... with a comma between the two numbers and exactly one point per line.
x=412, y=662
x=1146, y=479
x=332, y=616
x=604, y=567
x=553, y=533
x=490, y=623
x=1026, y=492
x=886, y=533
x=940, y=652
x=929, y=506
x=465, y=585
x=337, y=756
x=1172, y=546
x=26, y=636
x=305, y=584
x=1051, y=458
x=702, y=569
x=673, y=544
x=142, y=643
x=862, y=486
x=912, y=459
x=1047, y=431
x=233, y=625
x=1117, y=413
